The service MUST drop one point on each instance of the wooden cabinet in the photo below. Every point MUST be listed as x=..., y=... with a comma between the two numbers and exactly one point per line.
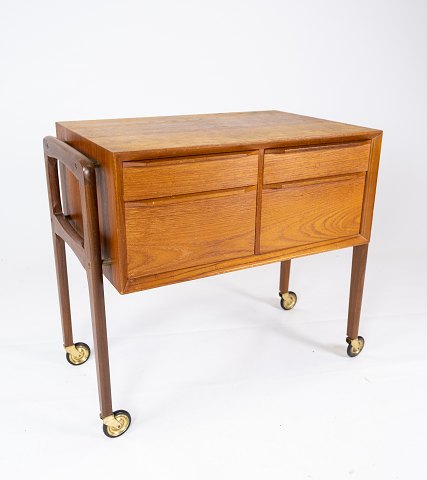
x=185, y=197
x=148, y=202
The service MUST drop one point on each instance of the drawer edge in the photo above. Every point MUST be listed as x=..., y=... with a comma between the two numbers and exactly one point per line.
x=168, y=278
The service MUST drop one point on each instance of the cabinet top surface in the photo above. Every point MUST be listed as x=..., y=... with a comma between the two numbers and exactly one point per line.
x=133, y=138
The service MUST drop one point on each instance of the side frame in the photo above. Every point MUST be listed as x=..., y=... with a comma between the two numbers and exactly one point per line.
x=87, y=250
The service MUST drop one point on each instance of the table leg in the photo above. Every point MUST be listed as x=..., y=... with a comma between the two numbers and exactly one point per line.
x=288, y=299
x=76, y=353
x=88, y=251
x=63, y=289
x=115, y=423
x=100, y=340
x=356, y=343
x=285, y=270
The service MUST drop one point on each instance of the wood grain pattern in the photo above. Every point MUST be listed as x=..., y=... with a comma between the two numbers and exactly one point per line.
x=152, y=281
x=138, y=138
x=168, y=235
x=189, y=175
x=371, y=187
x=314, y=162
x=166, y=215
x=301, y=213
x=110, y=204
x=115, y=144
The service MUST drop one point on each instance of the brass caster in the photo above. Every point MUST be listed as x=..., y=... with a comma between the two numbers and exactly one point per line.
x=77, y=354
x=116, y=424
x=288, y=300
x=355, y=346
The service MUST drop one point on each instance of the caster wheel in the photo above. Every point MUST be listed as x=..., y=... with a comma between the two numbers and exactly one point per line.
x=77, y=354
x=288, y=300
x=117, y=423
x=355, y=346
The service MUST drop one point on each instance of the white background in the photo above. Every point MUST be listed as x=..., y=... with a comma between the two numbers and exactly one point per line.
x=221, y=383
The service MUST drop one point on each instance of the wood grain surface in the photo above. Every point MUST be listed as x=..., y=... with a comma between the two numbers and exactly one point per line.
x=190, y=273
x=110, y=204
x=188, y=175
x=150, y=159
x=307, y=212
x=297, y=163
x=371, y=187
x=168, y=199
x=169, y=234
x=152, y=137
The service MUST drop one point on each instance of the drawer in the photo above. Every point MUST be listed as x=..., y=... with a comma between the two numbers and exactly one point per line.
x=170, y=234
x=161, y=178
x=311, y=211
x=298, y=163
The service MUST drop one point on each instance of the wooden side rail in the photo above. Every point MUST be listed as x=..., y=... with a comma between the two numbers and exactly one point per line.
x=84, y=171
x=87, y=250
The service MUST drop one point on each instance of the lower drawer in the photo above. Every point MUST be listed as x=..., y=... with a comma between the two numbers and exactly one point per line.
x=305, y=212
x=168, y=234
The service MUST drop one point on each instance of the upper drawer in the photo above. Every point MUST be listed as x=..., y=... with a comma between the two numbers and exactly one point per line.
x=313, y=162
x=177, y=176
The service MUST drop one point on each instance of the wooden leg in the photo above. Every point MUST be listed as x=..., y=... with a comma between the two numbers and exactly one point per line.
x=114, y=423
x=63, y=289
x=288, y=299
x=88, y=251
x=285, y=270
x=360, y=254
x=99, y=327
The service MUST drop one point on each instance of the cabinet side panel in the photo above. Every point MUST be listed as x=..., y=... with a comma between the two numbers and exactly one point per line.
x=107, y=202
x=370, y=187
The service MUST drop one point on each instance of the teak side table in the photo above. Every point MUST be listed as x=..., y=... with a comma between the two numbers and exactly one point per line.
x=154, y=201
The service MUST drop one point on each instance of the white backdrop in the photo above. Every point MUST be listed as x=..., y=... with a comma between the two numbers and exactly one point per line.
x=221, y=383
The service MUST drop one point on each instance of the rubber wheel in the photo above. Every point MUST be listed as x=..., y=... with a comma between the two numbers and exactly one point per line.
x=289, y=302
x=351, y=352
x=84, y=348
x=124, y=418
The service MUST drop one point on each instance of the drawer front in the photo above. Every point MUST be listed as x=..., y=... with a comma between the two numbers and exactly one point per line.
x=170, y=234
x=162, y=178
x=312, y=211
x=298, y=163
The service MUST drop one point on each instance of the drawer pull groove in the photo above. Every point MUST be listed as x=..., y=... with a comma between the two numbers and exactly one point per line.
x=190, y=197
x=313, y=181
